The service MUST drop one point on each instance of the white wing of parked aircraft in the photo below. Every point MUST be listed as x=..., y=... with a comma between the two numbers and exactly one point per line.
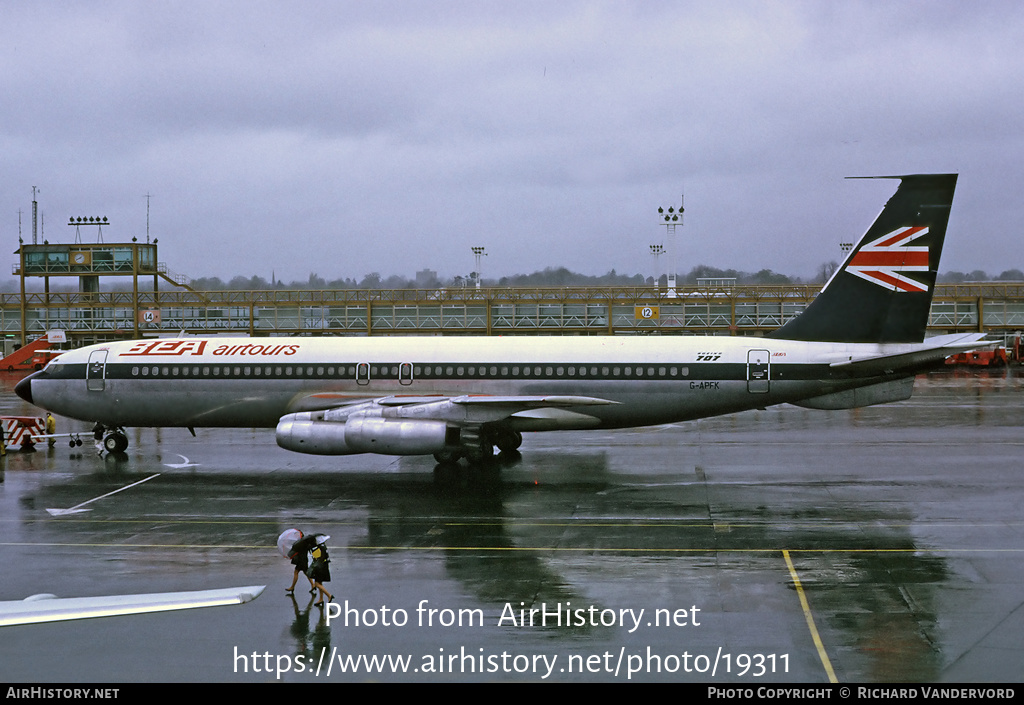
x=861, y=341
x=49, y=608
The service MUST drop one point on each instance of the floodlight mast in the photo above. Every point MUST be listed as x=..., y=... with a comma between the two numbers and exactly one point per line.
x=78, y=222
x=657, y=251
x=670, y=218
x=478, y=252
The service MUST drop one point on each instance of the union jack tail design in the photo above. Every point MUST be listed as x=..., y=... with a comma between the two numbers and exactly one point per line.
x=883, y=292
x=886, y=260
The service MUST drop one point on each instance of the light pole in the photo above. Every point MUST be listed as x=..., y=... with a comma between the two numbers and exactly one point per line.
x=670, y=218
x=657, y=251
x=478, y=252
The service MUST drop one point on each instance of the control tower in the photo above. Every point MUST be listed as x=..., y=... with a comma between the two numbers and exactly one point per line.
x=90, y=263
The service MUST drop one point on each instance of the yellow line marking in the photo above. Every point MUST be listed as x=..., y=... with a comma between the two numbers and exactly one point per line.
x=810, y=619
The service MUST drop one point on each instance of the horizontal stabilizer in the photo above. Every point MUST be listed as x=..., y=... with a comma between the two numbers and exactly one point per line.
x=915, y=356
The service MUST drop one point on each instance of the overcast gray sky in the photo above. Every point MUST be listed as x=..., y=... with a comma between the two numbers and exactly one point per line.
x=343, y=138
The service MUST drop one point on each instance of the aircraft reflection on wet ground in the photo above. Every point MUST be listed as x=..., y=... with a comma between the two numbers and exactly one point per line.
x=901, y=523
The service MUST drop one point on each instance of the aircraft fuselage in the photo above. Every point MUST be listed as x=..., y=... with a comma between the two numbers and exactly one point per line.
x=197, y=382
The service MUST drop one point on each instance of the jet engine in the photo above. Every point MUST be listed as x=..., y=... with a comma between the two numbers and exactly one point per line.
x=361, y=432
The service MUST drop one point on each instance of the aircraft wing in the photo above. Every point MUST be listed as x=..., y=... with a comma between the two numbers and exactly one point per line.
x=484, y=408
x=420, y=425
x=493, y=400
x=918, y=355
x=530, y=402
x=48, y=608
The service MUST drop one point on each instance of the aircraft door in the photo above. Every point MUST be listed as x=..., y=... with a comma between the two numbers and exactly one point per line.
x=405, y=373
x=758, y=371
x=363, y=373
x=96, y=371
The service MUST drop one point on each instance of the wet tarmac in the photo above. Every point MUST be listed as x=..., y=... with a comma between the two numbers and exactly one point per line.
x=883, y=544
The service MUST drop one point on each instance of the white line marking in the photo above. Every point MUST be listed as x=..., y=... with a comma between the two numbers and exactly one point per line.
x=78, y=507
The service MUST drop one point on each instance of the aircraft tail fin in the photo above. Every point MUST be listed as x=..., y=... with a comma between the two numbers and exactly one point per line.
x=882, y=293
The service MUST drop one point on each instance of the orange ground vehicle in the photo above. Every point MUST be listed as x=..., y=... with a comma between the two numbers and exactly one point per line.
x=980, y=358
x=35, y=355
x=997, y=357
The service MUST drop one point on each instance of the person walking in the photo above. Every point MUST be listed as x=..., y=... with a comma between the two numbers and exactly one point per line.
x=97, y=437
x=299, y=555
x=51, y=428
x=320, y=569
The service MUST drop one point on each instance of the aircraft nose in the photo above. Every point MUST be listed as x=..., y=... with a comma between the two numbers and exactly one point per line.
x=24, y=388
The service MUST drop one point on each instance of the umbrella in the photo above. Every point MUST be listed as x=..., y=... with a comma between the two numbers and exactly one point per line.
x=286, y=540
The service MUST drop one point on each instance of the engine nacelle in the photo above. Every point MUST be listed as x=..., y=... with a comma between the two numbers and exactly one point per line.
x=361, y=434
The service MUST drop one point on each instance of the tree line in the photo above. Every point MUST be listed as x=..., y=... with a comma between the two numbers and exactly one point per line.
x=548, y=277
x=560, y=276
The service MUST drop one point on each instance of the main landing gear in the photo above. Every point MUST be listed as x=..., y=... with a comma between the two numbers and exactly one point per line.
x=477, y=445
x=116, y=441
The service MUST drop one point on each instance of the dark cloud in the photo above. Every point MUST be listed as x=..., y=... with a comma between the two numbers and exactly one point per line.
x=345, y=138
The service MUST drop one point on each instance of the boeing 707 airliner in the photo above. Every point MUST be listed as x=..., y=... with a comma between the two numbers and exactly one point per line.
x=860, y=342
